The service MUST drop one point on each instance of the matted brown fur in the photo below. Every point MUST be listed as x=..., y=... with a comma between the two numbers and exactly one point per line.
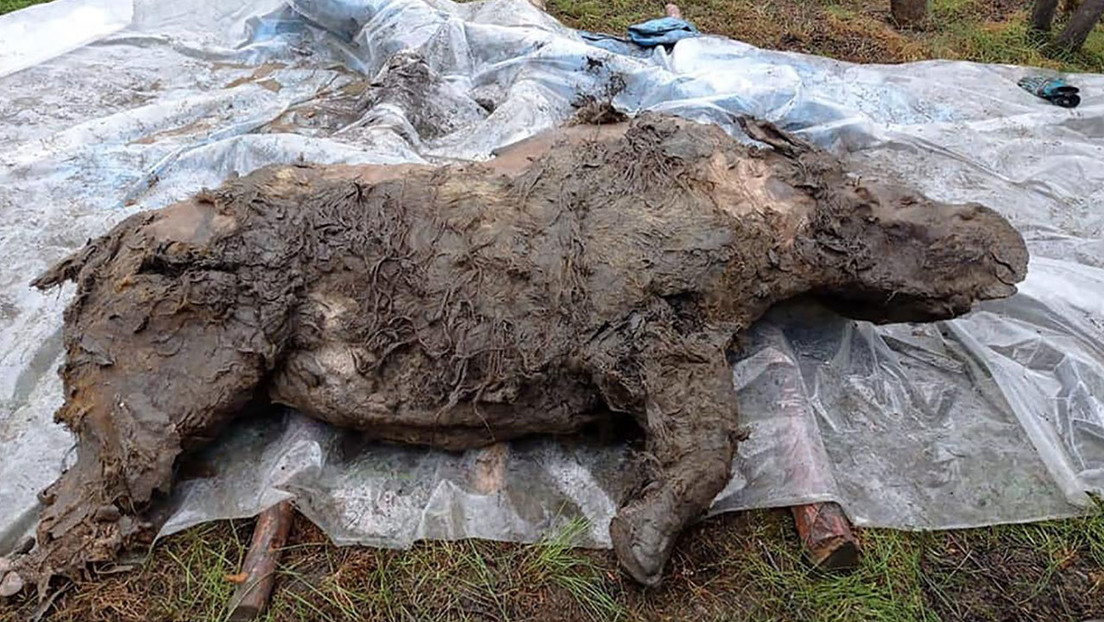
x=587, y=271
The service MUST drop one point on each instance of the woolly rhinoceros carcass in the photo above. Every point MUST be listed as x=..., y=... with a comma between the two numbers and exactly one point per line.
x=590, y=272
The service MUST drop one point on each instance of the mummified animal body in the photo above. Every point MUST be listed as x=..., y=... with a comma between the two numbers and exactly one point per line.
x=589, y=271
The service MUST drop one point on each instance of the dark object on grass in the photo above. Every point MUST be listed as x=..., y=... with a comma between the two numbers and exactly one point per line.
x=1055, y=90
x=908, y=13
x=588, y=273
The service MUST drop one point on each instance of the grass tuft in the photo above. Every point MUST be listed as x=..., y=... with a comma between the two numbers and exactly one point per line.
x=557, y=561
x=7, y=6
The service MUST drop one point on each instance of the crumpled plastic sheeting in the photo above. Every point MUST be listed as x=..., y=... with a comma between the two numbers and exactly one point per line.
x=995, y=417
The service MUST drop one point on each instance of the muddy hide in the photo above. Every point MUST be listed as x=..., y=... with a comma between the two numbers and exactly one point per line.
x=585, y=274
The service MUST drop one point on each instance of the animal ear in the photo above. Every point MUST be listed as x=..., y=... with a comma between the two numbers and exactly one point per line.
x=768, y=133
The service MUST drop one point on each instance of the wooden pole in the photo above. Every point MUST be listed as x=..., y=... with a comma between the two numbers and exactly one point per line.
x=823, y=528
x=259, y=569
x=826, y=536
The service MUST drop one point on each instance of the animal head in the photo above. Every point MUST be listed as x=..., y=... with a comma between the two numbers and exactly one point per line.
x=910, y=259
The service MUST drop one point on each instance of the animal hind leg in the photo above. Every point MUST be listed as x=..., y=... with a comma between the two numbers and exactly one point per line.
x=130, y=427
x=145, y=376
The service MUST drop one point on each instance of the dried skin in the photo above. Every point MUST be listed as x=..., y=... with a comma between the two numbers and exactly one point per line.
x=586, y=271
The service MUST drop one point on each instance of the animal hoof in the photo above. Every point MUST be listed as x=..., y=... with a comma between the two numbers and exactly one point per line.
x=11, y=585
x=641, y=545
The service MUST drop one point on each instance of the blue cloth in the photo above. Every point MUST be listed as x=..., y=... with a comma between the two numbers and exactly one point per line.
x=617, y=45
x=662, y=31
x=1054, y=90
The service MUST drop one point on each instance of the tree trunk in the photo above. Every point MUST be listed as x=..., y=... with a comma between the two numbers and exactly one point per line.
x=1042, y=14
x=1080, y=25
x=908, y=12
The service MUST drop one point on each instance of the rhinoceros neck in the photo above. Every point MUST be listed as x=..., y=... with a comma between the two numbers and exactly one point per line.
x=692, y=216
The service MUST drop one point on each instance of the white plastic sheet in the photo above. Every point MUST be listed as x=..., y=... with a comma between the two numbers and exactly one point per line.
x=109, y=106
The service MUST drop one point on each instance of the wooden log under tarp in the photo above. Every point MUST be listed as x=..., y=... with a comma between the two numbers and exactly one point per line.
x=259, y=569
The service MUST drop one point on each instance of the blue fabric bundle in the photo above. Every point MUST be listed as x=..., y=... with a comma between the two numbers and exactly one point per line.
x=662, y=31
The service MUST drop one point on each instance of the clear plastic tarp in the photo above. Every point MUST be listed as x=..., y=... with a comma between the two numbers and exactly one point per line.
x=112, y=106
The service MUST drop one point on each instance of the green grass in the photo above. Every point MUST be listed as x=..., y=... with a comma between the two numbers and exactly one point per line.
x=737, y=567
x=7, y=6
x=555, y=561
x=949, y=11
x=203, y=560
x=887, y=586
x=1009, y=43
x=855, y=30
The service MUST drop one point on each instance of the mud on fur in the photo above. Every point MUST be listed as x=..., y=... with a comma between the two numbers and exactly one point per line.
x=586, y=272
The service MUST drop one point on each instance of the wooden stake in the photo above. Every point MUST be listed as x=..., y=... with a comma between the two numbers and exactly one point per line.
x=823, y=528
x=826, y=535
x=259, y=569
